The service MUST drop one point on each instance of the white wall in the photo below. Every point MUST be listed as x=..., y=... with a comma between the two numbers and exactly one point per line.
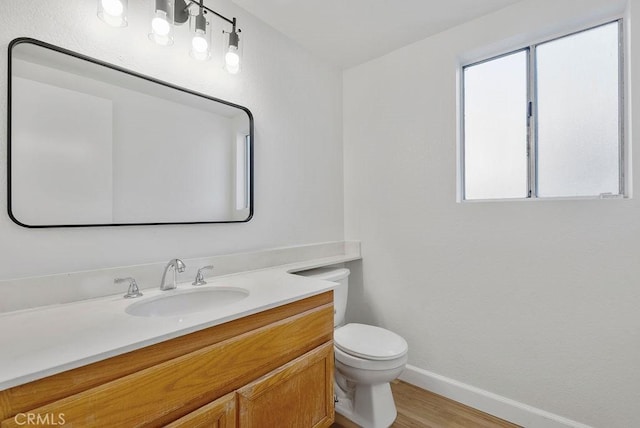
x=296, y=102
x=535, y=301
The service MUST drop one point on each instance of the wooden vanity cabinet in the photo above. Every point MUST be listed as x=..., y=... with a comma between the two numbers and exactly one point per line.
x=274, y=368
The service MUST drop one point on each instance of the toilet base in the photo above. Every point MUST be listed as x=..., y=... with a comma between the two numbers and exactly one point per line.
x=370, y=406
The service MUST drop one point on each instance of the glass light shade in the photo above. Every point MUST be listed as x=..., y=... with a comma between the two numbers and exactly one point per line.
x=201, y=38
x=232, y=53
x=161, y=31
x=200, y=47
x=232, y=61
x=113, y=12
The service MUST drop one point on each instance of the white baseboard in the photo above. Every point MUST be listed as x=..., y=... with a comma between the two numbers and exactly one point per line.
x=488, y=402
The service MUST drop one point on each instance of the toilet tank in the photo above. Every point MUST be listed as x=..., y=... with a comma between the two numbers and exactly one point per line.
x=340, y=293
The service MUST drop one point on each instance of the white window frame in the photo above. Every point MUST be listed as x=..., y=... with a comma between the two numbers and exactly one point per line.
x=532, y=119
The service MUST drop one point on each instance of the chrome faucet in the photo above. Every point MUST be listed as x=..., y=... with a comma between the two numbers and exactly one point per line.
x=176, y=265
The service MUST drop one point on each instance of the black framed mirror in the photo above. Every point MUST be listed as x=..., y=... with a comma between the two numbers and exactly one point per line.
x=93, y=144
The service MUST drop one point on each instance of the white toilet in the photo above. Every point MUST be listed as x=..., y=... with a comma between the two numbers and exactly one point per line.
x=367, y=358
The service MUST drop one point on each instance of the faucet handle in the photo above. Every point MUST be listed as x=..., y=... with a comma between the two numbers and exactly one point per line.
x=133, y=291
x=199, y=277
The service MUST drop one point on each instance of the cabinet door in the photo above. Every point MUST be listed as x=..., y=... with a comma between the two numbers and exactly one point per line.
x=298, y=394
x=217, y=414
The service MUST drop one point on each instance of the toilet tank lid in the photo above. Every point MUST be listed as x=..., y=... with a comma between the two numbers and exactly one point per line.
x=326, y=273
x=369, y=342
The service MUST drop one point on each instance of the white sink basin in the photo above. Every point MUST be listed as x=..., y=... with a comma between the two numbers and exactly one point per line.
x=187, y=302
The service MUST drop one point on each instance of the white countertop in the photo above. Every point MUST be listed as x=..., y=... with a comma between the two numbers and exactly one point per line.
x=40, y=342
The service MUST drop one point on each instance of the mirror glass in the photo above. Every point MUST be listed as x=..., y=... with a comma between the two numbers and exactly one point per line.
x=91, y=144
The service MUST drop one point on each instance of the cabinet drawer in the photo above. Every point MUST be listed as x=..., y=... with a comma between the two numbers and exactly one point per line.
x=298, y=394
x=165, y=392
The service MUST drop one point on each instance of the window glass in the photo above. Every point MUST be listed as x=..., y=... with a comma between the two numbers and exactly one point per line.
x=495, y=128
x=578, y=113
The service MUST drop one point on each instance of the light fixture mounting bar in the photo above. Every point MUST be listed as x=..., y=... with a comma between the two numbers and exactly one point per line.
x=201, y=5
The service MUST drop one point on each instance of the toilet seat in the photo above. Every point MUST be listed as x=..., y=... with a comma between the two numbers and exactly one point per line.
x=370, y=365
x=368, y=342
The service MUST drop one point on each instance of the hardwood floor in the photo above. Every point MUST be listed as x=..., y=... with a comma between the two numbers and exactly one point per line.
x=418, y=408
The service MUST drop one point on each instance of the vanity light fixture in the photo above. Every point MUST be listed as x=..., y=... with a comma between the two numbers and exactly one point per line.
x=232, y=50
x=201, y=39
x=163, y=17
x=170, y=13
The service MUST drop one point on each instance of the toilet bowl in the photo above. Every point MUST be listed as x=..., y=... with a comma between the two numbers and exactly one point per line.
x=367, y=359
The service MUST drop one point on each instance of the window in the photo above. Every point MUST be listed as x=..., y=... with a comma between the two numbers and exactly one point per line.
x=546, y=121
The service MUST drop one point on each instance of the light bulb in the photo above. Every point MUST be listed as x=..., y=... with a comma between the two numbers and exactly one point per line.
x=112, y=7
x=233, y=69
x=232, y=59
x=160, y=25
x=199, y=44
x=113, y=12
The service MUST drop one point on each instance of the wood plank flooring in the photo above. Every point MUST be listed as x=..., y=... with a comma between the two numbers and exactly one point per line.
x=418, y=408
